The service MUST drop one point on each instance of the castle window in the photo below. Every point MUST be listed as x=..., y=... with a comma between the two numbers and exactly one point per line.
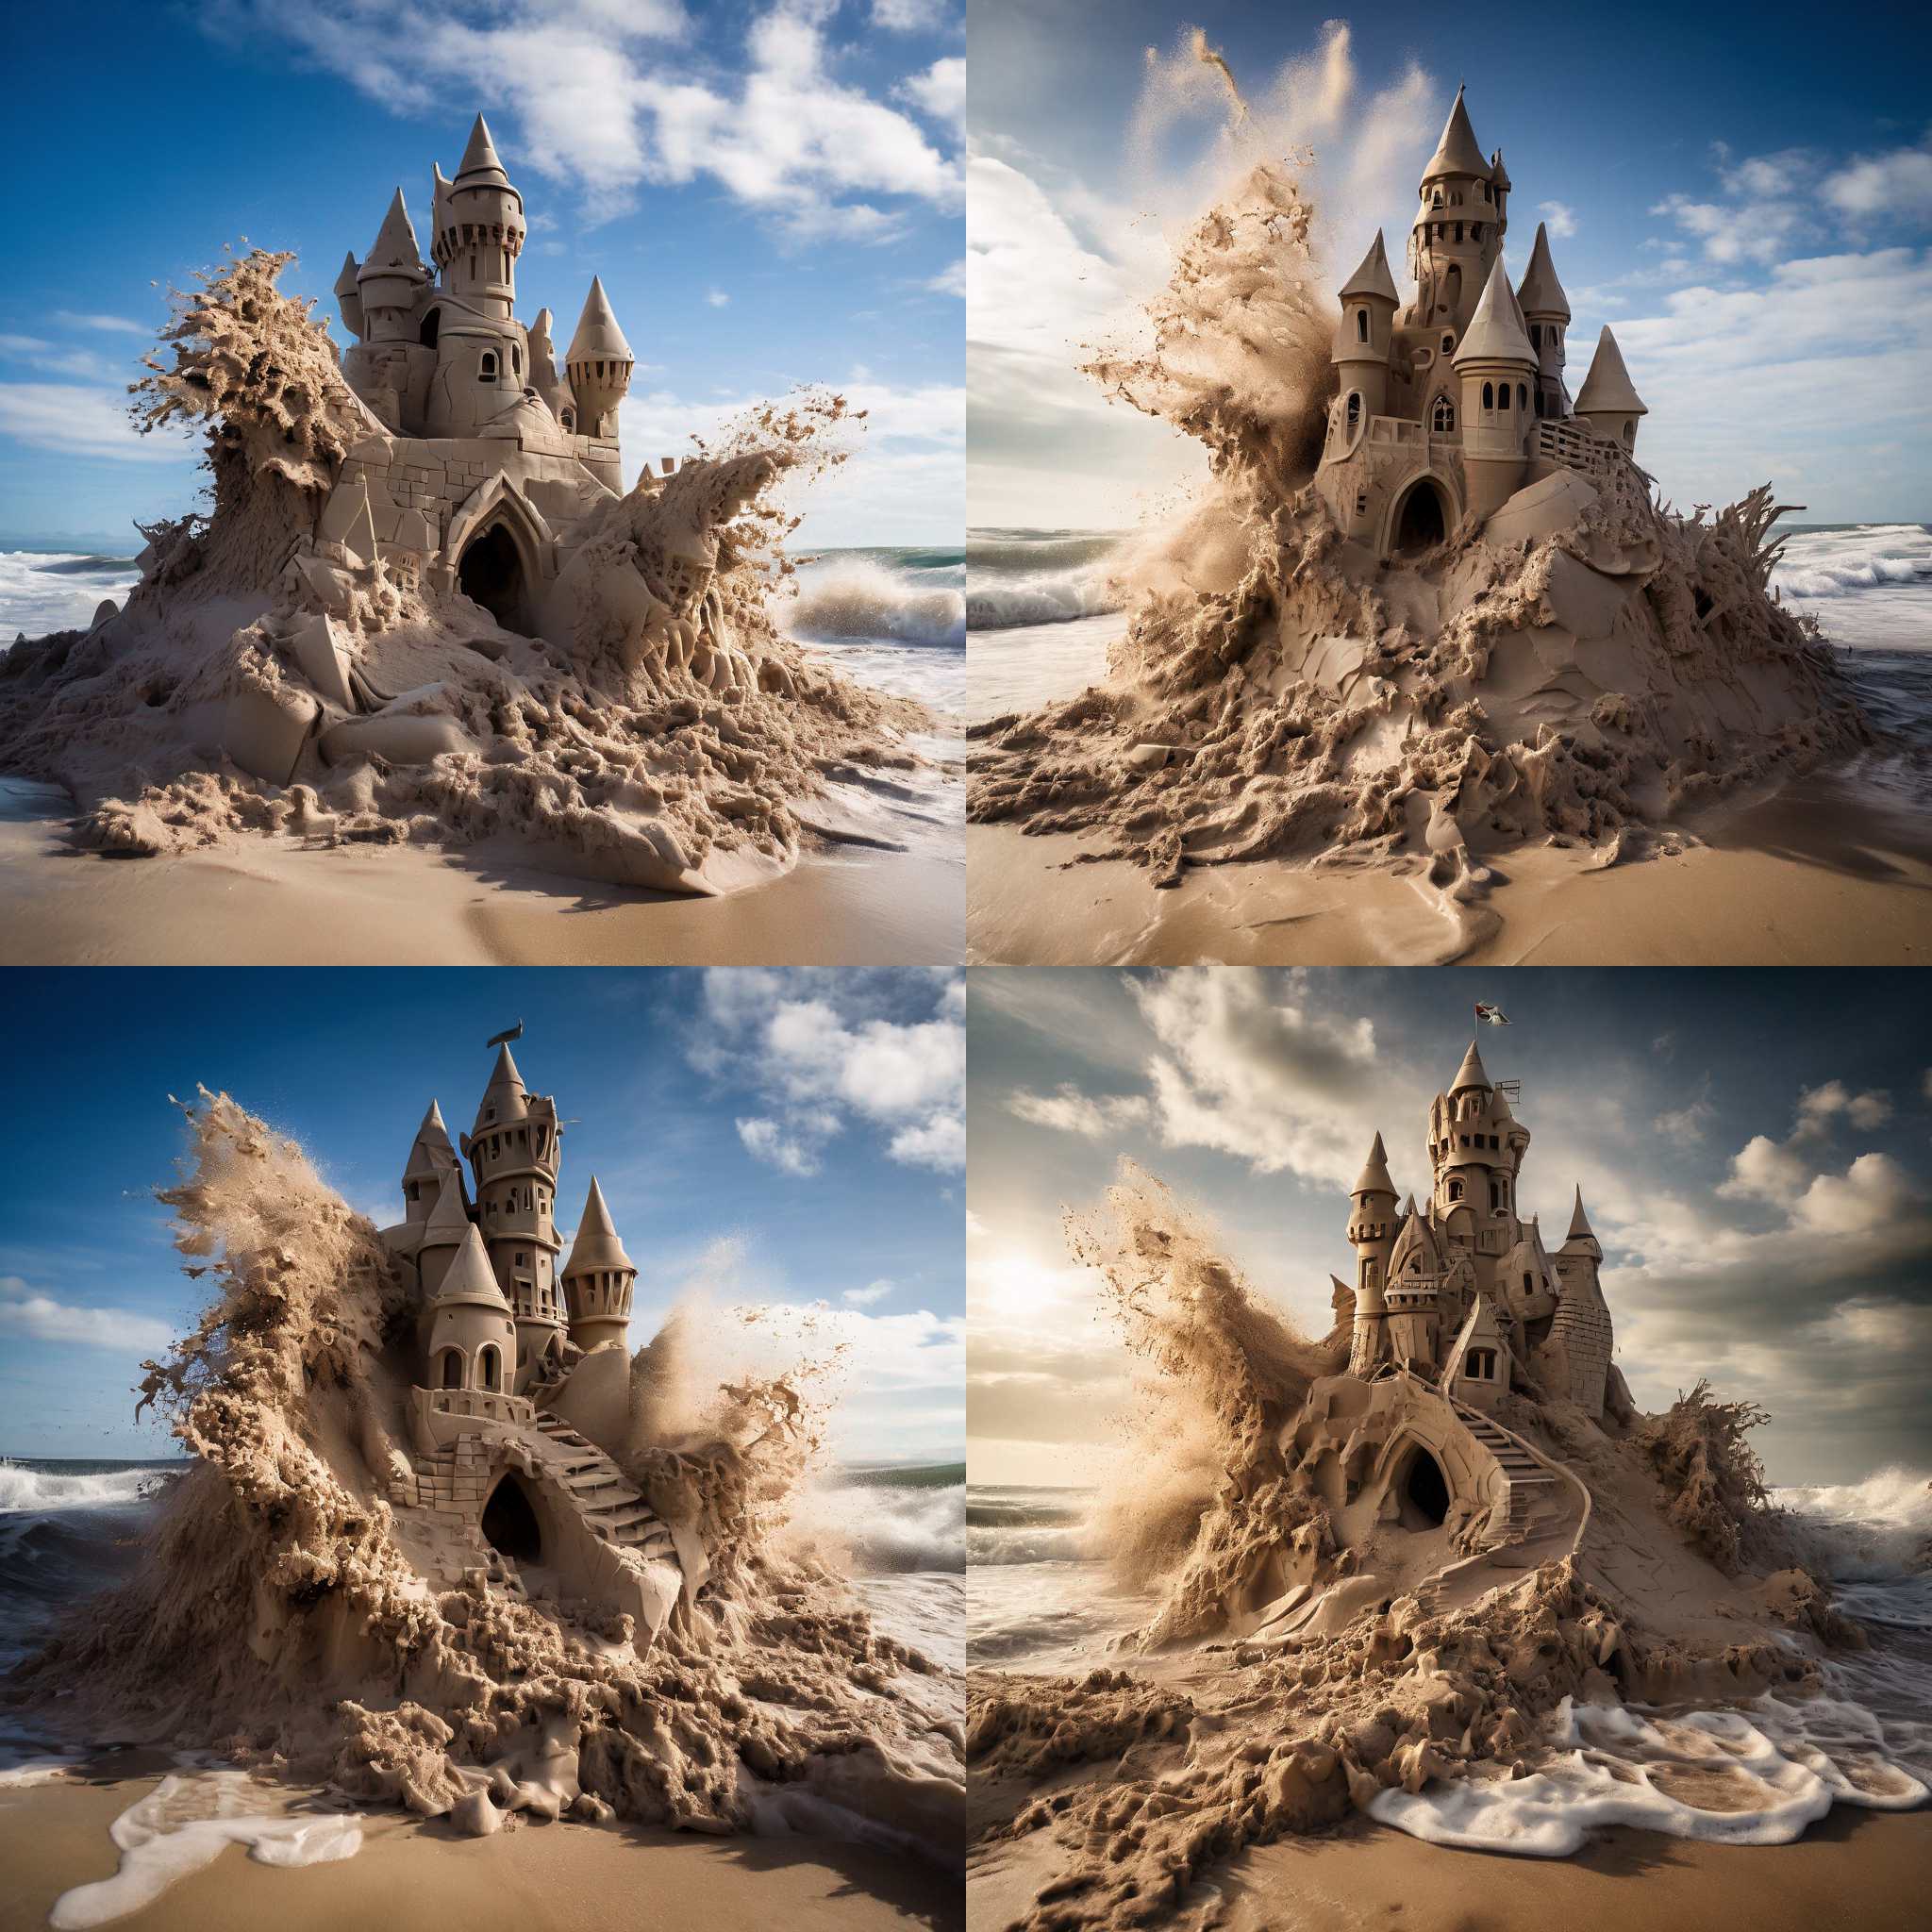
x=1445, y=418
x=486, y=1368
x=516, y=359
x=1479, y=1365
x=486, y=368
x=1476, y=232
x=570, y=421
x=1361, y=325
x=1522, y=398
x=1448, y=343
x=1437, y=203
x=1629, y=435
x=1354, y=407
x=1528, y=1282
x=431, y=323
x=1489, y=395
x=1503, y=396
x=452, y=1368
x=1456, y=1190
x=1536, y=335
x=1458, y=225
x=1540, y=402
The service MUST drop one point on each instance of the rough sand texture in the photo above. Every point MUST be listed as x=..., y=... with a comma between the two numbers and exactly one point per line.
x=1581, y=678
x=264, y=678
x=1410, y=1666
x=557, y=1877
x=281, y=1618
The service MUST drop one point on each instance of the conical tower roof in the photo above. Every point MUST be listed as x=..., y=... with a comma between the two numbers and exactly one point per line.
x=1374, y=1175
x=1471, y=1072
x=1480, y=1330
x=505, y=1098
x=394, y=250
x=480, y=167
x=599, y=337
x=1495, y=332
x=596, y=1245
x=1373, y=276
x=449, y=1220
x=470, y=1277
x=345, y=282
x=1579, y=1221
x=1541, y=294
x=1607, y=388
x=432, y=1153
x=1458, y=152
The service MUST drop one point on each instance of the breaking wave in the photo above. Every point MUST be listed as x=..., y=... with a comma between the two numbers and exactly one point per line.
x=898, y=597
x=1849, y=557
x=1025, y=1526
x=1020, y=577
x=43, y=591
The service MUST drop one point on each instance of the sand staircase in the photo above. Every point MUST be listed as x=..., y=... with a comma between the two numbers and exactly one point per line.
x=607, y=1501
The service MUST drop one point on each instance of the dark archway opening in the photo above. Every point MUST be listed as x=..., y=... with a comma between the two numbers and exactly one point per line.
x=1419, y=523
x=492, y=574
x=1425, y=1490
x=432, y=324
x=509, y=1523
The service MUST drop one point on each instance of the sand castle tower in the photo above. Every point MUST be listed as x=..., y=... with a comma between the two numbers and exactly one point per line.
x=444, y=1232
x=1416, y=1268
x=1609, y=401
x=1545, y=309
x=1496, y=367
x=1369, y=302
x=479, y=229
x=469, y=1339
x=431, y=1157
x=1475, y=1152
x=1582, y=1323
x=598, y=1278
x=599, y=364
x=515, y=1148
x=1477, y=1363
x=1457, y=237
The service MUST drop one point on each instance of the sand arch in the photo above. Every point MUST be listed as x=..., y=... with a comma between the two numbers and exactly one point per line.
x=1422, y=513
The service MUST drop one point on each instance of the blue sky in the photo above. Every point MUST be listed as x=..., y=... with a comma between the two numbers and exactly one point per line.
x=1754, y=1150
x=771, y=192
x=1743, y=194
x=774, y=1138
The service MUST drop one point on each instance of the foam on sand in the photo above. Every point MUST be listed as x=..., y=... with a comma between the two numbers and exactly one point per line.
x=266, y=675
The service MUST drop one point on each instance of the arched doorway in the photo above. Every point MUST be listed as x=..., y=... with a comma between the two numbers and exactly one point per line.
x=1422, y=518
x=510, y=1522
x=1423, y=1492
x=491, y=573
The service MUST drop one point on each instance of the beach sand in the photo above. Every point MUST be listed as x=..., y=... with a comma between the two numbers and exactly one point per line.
x=559, y=1877
x=1852, y=1871
x=273, y=902
x=1764, y=900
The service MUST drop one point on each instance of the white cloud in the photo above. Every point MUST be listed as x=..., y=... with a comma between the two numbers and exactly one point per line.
x=1074, y=1112
x=1870, y=1196
x=1896, y=183
x=717, y=298
x=951, y=280
x=1686, y=1123
x=111, y=325
x=870, y=1295
x=941, y=92
x=39, y=1318
x=908, y=16
x=83, y=421
x=1560, y=218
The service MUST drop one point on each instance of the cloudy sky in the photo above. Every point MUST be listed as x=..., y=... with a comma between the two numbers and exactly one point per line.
x=1744, y=194
x=1752, y=1150
x=791, y=1141
x=771, y=192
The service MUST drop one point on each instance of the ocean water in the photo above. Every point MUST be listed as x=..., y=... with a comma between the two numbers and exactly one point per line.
x=1041, y=617
x=1040, y=1600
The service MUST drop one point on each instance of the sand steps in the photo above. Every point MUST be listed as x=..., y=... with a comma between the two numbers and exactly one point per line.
x=608, y=1500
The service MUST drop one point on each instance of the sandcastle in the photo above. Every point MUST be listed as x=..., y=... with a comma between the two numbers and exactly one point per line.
x=523, y=1391
x=1450, y=408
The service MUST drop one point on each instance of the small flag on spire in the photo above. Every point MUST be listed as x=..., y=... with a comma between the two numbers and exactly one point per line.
x=1492, y=1016
x=516, y=1032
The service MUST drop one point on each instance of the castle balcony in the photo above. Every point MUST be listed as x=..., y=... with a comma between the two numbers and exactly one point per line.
x=1571, y=447
x=439, y=1413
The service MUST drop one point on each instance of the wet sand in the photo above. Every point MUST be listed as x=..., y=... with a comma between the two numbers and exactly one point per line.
x=1852, y=1871
x=559, y=1877
x=272, y=902
x=1761, y=901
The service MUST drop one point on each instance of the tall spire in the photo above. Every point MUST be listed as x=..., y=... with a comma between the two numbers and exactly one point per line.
x=1373, y=276
x=1579, y=1222
x=1541, y=294
x=394, y=250
x=504, y=1099
x=1374, y=1175
x=596, y=1245
x=431, y=1154
x=1607, y=388
x=471, y=1277
x=1458, y=152
x=449, y=1220
x=1471, y=1072
x=599, y=337
x=1495, y=332
x=480, y=166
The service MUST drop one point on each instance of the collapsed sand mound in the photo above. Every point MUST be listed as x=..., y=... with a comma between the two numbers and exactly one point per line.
x=276, y=671
x=1582, y=670
x=1219, y=1740
x=279, y=1619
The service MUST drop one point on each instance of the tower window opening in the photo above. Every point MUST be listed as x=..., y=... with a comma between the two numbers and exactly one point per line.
x=486, y=1368
x=1456, y=1190
x=1536, y=335
x=1540, y=402
x=1629, y=434
x=1458, y=225
x=452, y=1368
x=1361, y=325
x=486, y=370
x=1522, y=396
x=1354, y=407
x=1476, y=233
x=1528, y=1282
x=1448, y=342
x=1445, y=418
x=1502, y=397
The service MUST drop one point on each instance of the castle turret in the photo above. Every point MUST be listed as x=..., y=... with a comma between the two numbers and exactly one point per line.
x=391, y=279
x=515, y=1149
x=599, y=364
x=1609, y=401
x=1372, y=1229
x=348, y=296
x=1458, y=234
x=479, y=231
x=1416, y=1267
x=431, y=1157
x=1363, y=340
x=444, y=1233
x=598, y=1278
x=1546, y=312
x=1475, y=1365
x=469, y=1341
x=1580, y=1333
x=1476, y=1146
x=1495, y=366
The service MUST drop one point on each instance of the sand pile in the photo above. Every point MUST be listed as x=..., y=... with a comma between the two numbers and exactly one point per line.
x=273, y=673
x=281, y=1620
x=1503, y=1698
x=1581, y=670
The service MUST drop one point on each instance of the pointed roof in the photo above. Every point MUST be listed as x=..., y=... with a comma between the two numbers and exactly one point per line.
x=431, y=1152
x=345, y=282
x=1540, y=292
x=1579, y=1221
x=1495, y=332
x=394, y=250
x=1498, y=173
x=1479, y=1328
x=1471, y=1072
x=449, y=1220
x=1373, y=276
x=1374, y=1175
x=470, y=1277
x=1415, y=1234
x=1607, y=387
x=596, y=1245
x=505, y=1098
x=480, y=167
x=599, y=337
x=1458, y=152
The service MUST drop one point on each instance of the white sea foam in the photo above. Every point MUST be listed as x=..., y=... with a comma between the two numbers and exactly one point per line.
x=1056, y=597
x=863, y=596
x=43, y=1491
x=186, y=1822
x=48, y=590
x=1861, y=556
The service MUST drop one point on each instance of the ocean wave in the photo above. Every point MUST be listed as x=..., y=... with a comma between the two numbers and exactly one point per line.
x=1034, y=1544
x=41, y=591
x=1863, y=556
x=1880, y=1528
x=45, y=1491
x=1048, y=597
x=891, y=1531
x=859, y=597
